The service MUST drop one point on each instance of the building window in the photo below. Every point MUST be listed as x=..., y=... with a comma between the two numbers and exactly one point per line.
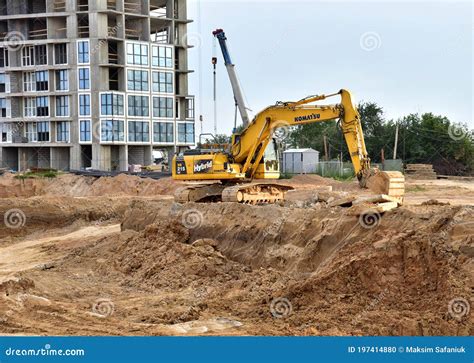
x=186, y=133
x=163, y=132
x=42, y=81
x=28, y=56
x=138, y=131
x=60, y=53
x=84, y=78
x=41, y=55
x=4, y=83
x=162, y=82
x=111, y=104
x=137, y=80
x=6, y=132
x=62, y=131
x=138, y=106
x=43, y=131
x=62, y=80
x=29, y=82
x=190, y=108
x=112, y=130
x=137, y=54
x=31, y=132
x=29, y=107
x=162, y=57
x=62, y=106
x=3, y=107
x=37, y=131
x=83, y=52
x=163, y=107
x=42, y=106
x=3, y=57
x=84, y=105
x=85, y=131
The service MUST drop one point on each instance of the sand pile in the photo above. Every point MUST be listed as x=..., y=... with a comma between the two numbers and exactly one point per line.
x=84, y=186
x=342, y=278
x=160, y=257
x=24, y=216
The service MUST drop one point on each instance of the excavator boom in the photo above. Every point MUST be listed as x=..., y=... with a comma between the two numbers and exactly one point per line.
x=249, y=146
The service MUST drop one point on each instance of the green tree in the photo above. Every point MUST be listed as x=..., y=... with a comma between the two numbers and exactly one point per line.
x=219, y=139
x=425, y=138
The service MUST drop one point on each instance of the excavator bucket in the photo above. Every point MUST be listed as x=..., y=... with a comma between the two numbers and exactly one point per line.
x=391, y=183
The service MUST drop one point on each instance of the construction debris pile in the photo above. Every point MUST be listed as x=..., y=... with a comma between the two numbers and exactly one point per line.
x=420, y=171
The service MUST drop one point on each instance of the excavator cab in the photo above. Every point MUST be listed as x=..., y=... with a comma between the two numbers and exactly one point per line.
x=269, y=167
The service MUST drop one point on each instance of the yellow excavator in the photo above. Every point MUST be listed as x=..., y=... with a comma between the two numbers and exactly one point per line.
x=243, y=172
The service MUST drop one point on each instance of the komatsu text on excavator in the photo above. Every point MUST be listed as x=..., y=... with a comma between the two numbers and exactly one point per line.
x=243, y=172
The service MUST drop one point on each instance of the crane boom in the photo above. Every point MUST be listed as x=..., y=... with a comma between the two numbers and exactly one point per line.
x=237, y=90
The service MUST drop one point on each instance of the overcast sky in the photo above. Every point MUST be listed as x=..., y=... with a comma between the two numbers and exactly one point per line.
x=409, y=57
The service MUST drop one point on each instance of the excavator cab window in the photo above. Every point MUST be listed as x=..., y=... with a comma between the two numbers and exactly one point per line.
x=271, y=156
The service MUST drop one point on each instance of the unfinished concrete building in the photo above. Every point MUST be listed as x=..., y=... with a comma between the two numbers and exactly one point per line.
x=93, y=83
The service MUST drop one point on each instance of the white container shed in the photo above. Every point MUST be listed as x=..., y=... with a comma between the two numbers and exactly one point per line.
x=300, y=161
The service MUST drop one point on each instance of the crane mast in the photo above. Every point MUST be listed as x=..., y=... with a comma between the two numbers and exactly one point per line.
x=237, y=90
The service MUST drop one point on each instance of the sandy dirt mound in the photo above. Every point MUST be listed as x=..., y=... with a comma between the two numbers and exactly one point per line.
x=22, y=217
x=85, y=186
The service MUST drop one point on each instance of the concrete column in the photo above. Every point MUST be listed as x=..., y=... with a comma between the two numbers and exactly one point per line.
x=123, y=154
x=148, y=158
x=22, y=159
x=75, y=157
x=101, y=157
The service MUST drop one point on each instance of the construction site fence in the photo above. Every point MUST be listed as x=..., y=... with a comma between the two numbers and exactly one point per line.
x=345, y=169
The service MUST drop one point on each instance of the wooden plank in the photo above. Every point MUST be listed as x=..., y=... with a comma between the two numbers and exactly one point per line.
x=345, y=201
x=364, y=208
x=383, y=207
x=379, y=198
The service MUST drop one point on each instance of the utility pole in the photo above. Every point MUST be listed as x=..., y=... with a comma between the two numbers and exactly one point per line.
x=382, y=157
x=214, y=62
x=396, y=143
x=325, y=148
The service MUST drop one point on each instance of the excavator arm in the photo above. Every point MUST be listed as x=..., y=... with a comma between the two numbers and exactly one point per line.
x=249, y=146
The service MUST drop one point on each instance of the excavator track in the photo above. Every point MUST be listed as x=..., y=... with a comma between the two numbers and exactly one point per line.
x=198, y=193
x=255, y=193
x=248, y=193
